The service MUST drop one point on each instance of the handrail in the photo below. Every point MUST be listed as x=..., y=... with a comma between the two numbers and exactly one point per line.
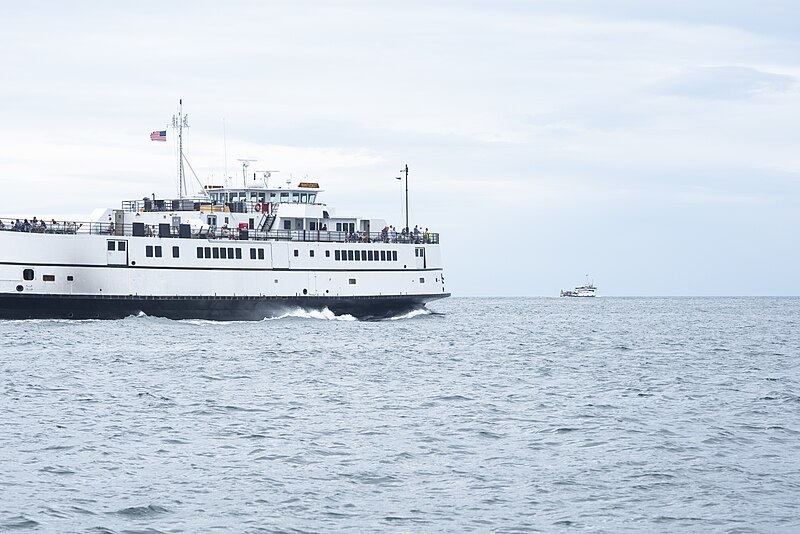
x=217, y=233
x=195, y=204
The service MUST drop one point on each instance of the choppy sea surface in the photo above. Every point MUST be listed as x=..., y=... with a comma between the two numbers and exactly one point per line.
x=487, y=415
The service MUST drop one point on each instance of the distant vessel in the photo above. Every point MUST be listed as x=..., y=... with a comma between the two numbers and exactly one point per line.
x=586, y=290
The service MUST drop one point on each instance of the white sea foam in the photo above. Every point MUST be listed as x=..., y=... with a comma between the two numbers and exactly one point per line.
x=324, y=314
x=412, y=313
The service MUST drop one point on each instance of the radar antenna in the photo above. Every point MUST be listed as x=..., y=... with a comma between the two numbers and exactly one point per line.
x=245, y=164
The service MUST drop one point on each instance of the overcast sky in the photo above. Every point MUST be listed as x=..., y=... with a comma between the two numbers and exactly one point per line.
x=652, y=145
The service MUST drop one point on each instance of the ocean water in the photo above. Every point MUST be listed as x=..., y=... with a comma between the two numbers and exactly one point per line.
x=487, y=415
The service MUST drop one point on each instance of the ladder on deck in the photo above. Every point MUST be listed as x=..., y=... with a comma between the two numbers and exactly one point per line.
x=268, y=218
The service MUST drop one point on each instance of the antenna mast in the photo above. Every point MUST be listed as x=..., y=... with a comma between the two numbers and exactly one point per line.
x=180, y=122
x=406, y=171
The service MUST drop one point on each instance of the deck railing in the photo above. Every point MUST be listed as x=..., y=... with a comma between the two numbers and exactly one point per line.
x=217, y=233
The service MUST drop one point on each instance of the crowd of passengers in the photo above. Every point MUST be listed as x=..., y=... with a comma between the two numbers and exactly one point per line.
x=389, y=234
x=38, y=226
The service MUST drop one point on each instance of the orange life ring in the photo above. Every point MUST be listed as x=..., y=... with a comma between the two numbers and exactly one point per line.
x=258, y=207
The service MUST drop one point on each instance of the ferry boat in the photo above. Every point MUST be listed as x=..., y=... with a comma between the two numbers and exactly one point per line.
x=229, y=253
x=586, y=290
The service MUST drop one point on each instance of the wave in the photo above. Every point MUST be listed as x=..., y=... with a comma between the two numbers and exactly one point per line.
x=325, y=315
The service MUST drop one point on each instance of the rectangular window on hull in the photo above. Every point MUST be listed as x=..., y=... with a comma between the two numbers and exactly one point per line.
x=261, y=254
x=158, y=251
x=121, y=246
x=252, y=253
x=350, y=255
x=353, y=281
x=148, y=251
x=200, y=252
x=176, y=252
x=48, y=278
x=230, y=253
x=238, y=254
x=223, y=253
x=337, y=255
x=328, y=254
x=112, y=245
x=27, y=274
x=394, y=255
x=207, y=251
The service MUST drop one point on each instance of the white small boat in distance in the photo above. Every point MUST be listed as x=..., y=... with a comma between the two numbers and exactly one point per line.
x=586, y=290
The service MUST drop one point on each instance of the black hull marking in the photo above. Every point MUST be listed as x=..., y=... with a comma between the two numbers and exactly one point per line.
x=195, y=307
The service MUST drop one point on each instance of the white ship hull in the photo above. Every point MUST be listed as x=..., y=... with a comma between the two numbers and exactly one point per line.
x=50, y=275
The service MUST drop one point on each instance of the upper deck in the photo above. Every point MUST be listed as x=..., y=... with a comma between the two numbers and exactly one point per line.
x=185, y=231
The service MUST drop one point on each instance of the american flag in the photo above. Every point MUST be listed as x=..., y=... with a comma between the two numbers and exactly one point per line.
x=158, y=135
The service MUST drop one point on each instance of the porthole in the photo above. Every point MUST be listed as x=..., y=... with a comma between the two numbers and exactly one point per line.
x=20, y=288
x=305, y=291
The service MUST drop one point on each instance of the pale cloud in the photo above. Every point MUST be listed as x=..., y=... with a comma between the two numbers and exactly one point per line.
x=726, y=82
